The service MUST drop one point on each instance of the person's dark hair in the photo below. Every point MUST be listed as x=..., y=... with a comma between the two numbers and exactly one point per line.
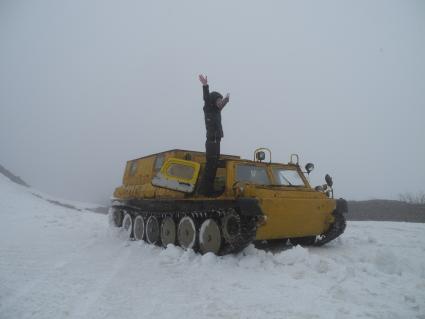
x=214, y=96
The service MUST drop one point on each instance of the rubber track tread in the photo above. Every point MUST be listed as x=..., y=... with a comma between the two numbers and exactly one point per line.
x=334, y=231
x=245, y=237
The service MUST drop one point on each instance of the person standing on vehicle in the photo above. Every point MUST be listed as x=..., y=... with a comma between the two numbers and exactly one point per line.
x=213, y=104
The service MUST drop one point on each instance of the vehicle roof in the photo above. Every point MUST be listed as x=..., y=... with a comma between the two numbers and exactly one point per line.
x=229, y=157
x=264, y=162
x=187, y=151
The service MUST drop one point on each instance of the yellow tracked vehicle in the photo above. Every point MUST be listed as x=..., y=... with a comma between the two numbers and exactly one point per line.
x=253, y=200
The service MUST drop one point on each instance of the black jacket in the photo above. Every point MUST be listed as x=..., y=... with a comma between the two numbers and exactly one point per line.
x=212, y=114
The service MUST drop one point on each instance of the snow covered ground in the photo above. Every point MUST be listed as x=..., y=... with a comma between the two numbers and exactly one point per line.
x=62, y=263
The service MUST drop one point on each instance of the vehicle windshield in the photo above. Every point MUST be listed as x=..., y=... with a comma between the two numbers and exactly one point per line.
x=252, y=174
x=287, y=177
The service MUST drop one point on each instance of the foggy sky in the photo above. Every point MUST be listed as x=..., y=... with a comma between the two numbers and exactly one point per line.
x=87, y=85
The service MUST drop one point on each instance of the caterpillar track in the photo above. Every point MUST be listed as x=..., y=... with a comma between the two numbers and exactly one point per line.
x=336, y=229
x=220, y=231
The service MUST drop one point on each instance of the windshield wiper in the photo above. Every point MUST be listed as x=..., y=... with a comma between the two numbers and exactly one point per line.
x=290, y=184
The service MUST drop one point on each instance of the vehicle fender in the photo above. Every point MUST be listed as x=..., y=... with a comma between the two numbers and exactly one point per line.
x=249, y=207
x=341, y=205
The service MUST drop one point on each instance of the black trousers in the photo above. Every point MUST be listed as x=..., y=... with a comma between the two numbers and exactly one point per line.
x=212, y=149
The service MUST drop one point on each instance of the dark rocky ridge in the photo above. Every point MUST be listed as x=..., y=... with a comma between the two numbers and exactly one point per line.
x=386, y=210
x=12, y=177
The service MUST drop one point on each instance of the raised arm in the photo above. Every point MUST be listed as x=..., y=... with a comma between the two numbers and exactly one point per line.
x=205, y=88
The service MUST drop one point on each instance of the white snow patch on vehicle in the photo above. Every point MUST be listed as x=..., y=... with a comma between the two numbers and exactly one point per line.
x=61, y=263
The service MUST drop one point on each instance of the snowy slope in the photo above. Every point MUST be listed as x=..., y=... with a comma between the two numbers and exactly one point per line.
x=62, y=263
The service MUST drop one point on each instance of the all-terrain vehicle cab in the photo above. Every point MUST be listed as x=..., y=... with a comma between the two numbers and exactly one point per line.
x=252, y=200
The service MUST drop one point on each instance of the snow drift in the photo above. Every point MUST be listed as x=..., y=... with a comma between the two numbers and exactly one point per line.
x=57, y=262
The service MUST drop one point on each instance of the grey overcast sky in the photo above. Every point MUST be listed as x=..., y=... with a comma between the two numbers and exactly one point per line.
x=87, y=85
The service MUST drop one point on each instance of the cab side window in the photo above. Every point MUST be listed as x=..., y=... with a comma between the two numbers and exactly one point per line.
x=252, y=174
x=159, y=161
x=133, y=168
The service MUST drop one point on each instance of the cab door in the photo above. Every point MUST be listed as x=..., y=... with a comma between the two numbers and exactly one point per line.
x=177, y=174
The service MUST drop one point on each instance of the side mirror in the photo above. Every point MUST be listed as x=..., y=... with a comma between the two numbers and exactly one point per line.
x=328, y=180
x=309, y=167
x=260, y=156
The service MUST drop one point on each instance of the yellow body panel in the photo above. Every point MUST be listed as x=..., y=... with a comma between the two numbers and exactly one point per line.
x=294, y=213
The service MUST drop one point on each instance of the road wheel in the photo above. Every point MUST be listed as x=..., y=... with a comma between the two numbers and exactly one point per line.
x=127, y=225
x=186, y=233
x=168, y=231
x=139, y=228
x=209, y=237
x=152, y=230
x=231, y=227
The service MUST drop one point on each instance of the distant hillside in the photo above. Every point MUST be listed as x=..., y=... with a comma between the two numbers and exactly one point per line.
x=12, y=177
x=386, y=210
x=59, y=202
